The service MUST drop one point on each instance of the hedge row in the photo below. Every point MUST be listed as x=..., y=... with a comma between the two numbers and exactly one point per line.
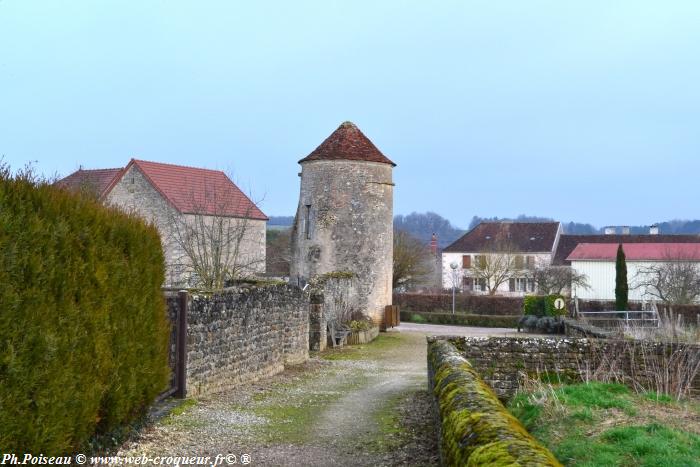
x=542, y=305
x=475, y=428
x=476, y=304
x=83, y=330
x=462, y=319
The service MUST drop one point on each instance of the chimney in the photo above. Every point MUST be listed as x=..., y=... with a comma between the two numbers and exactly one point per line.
x=433, y=245
x=625, y=230
x=654, y=230
x=610, y=231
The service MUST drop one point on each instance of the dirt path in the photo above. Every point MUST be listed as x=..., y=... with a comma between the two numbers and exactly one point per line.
x=362, y=405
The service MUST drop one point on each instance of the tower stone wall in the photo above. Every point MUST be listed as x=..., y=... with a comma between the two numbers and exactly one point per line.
x=344, y=222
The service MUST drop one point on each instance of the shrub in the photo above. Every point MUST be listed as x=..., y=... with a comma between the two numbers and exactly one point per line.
x=542, y=305
x=360, y=325
x=542, y=324
x=82, y=318
x=463, y=319
x=417, y=318
x=476, y=304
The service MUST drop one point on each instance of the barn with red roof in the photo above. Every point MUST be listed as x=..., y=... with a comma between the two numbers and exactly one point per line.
x=187, y=204
x=644, y=260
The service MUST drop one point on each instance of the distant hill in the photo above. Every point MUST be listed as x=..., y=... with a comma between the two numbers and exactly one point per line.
x=282, y=221
x=674, y=227
x=423, y=225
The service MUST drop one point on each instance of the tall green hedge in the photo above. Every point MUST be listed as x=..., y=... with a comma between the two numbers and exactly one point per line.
x=83, y=328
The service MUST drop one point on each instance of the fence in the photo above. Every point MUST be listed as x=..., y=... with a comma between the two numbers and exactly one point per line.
x=615, y=318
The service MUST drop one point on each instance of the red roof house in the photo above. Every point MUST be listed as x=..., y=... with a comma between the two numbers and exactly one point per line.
x=636, y=252
x=190, y=190
x=186, y=204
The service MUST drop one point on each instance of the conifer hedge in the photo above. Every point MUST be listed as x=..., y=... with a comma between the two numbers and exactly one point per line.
x=83, y=329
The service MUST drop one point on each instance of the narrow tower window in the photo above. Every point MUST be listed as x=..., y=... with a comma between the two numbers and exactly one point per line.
x=307, y=221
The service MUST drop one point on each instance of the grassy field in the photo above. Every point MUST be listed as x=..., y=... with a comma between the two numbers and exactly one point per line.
x=599, y=424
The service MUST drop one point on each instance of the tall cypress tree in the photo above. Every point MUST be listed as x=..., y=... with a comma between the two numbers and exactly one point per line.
x=621, y=287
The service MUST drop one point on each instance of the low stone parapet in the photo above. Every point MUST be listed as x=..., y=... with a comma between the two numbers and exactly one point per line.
x=475, y=429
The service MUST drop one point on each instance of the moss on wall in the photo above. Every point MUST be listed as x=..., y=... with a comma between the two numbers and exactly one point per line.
x=475, y=428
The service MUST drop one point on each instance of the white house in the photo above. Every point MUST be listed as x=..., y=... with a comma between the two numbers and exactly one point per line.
x=518, y=246
x=597, y=262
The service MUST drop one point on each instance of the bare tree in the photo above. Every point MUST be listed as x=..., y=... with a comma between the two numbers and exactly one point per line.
x=413, y=263
x=496, y=266
x=218, y=241
x=556, y=279
x=278, y=252
x=675, y=281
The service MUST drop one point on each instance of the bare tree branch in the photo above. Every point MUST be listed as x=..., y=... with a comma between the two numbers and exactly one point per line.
x=557, y=279
x=674, y=281
x=413, y=263
x=213, y=246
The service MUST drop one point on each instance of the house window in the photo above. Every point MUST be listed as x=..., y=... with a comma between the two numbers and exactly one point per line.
x=467, y=283
x=480, y=261
x=530, y=262
x=307, y=221
x=479, y=284
x=521, y=284
x=511, y=285
x=466, y=261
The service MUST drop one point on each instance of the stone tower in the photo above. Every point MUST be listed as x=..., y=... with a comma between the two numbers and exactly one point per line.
x=345, y=218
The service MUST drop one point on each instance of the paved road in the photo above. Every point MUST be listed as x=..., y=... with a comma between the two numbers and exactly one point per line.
x=446, y=330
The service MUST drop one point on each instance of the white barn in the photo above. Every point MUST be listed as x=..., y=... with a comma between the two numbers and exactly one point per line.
x=597, y=262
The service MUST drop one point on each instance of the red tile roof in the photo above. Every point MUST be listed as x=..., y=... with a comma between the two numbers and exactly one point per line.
x=567, y=243
x=636, y=251
x=96, y=181
x=197, y=191
x=525, y=237
x=349, y=143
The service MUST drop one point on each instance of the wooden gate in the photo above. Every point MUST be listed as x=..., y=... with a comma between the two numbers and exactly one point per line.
x=391, y=317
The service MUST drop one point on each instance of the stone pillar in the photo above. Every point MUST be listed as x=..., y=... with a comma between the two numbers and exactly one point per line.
x=317, y=327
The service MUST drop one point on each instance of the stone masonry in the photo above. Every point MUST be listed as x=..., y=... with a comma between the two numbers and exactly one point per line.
x=134, y=193
x=244, y=334
x=344, y=219
x=503, y=361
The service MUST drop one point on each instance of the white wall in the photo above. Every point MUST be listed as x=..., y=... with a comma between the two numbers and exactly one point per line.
x=601, y=279
x=541, y=260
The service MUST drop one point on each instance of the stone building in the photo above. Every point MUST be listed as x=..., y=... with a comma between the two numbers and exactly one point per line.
x=185, y=203
x=344, y=220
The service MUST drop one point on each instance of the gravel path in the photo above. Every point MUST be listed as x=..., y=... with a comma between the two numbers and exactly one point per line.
x=360, y=405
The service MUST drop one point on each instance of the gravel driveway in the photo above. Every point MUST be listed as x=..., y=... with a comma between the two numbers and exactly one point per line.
x=356, y=406
x=360, y=405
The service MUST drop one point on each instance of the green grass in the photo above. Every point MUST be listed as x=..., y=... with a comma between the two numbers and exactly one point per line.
x=183, y=407
x=416, y=318
x=599, y=424
x=382, y=343
x=391, y=433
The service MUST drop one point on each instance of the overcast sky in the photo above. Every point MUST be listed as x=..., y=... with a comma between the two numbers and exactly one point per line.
x=586, y=110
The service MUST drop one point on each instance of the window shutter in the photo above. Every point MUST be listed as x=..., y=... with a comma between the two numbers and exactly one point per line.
x=466, y=261
x=511, y=285
x=519, y=262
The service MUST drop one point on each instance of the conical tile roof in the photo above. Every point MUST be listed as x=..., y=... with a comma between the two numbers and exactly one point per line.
x=347, y=143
